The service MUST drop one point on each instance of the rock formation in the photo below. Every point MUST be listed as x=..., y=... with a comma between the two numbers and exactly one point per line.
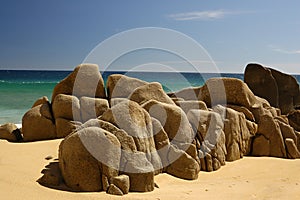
x=10, y=132
x=150, y=91
x=294, y=119
x=121, y=86
x=210, y=138
x=85, y=80
x=38, y=124
x=119, y=142
x=281, y=90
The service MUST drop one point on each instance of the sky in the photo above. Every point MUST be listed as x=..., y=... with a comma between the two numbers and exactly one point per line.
x=60, y=34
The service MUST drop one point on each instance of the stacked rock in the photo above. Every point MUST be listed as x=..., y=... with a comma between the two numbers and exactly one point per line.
x=117, y=138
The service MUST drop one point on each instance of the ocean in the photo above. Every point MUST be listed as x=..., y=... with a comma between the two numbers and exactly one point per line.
x=19, y=89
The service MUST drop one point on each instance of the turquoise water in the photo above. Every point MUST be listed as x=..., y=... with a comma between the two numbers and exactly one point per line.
x=20, y=88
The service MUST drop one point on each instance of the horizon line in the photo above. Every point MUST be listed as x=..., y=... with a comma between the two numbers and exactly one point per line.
x=70, y=70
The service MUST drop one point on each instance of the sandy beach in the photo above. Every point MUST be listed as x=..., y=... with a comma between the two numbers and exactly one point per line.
x=249, y=178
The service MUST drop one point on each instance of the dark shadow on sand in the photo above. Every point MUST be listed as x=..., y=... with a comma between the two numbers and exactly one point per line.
x=52, y=177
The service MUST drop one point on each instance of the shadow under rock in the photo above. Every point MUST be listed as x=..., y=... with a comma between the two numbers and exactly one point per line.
x=52, y=177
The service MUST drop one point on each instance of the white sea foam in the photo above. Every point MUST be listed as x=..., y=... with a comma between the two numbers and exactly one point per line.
x=19, y=125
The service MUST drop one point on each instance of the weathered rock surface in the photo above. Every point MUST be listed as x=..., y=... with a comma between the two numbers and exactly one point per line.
x=186, y=106
x=280, y=89
x=10, y=132
x=133, y=163
x=162, y=142
x=118, y=145
x=121, y=86
x=131, y=117
x=140, y=172
x=248, y=114
x=127, y=142
x=114, y=190
x=150, y=91
x=173, y=119
x=161, y=138
x=237, y=134
x=38, y=124
x=85, y=80
x=175, y=161
x=292, y=150
x=288, y=90
x=191, y=93
x=67, y=107
x=294, y=119
x=115, y=101
x=51, y=175
x=42, y=100
x=64, y=127
x=270, y=135
x=175, y=124
x=182, y=165
x=91, y=108
x=87, y=155
x=227, y=91
x=208, y=127
x=286, y=130
x=261, y=146
x=262, y=83
x=121, y=182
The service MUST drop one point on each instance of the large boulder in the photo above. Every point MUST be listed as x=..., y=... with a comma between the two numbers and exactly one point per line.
x=91, y=108
x=38, y=124
x=175, y=161
x=126, y=141
x=150, y=91
x=237, y=133
x=261, y=146
x=173, y=119
x=67, y=107
x=288, y=90
x=270, y=139
x=86, y=155
x=208, y=127
x=175, y=124
x=280, y=89
x=140, y=172
x=85, y=80
x=121, y=86
x=133, y=163
x=227, y=91
x=262, y=83
x=182, y=165
x=132, y=118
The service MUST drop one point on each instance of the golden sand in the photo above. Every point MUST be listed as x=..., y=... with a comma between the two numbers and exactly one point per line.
x=249, y=178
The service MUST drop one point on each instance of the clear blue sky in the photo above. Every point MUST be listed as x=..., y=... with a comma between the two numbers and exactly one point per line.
x=58, y=34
